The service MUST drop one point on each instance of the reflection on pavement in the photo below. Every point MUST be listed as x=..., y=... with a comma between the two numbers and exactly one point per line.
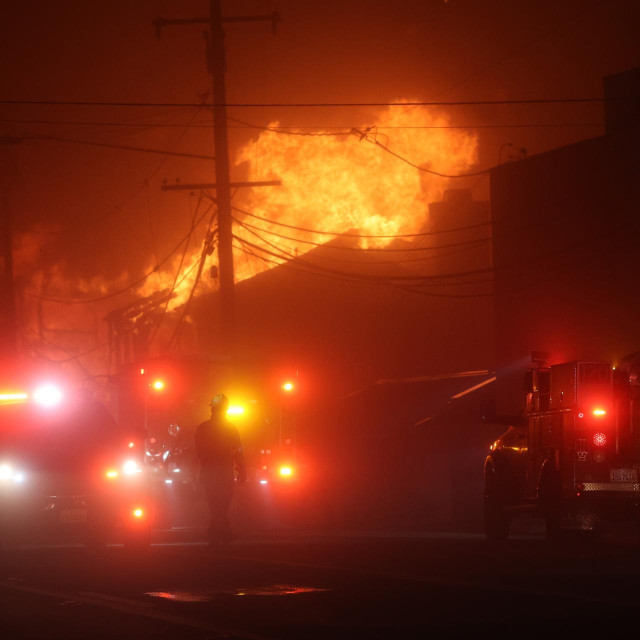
x=270, y=590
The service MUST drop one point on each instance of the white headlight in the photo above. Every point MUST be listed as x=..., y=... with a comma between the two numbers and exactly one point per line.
x=10, y=475
x=48, y=395
x=130, y=467
x=6, y=472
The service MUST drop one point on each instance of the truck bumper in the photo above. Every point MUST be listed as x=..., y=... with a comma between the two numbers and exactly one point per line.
x=593, y=508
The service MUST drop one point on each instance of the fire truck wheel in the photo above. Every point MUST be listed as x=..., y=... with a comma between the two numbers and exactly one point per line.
x=550, y=505
x=496, y=519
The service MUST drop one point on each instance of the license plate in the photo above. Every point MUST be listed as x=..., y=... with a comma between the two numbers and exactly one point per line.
x=623, y=475
x=73, y=516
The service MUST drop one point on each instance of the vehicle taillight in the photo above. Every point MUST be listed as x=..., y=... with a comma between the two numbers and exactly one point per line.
x=599, y=412
x=138, y=513
x=112, y=474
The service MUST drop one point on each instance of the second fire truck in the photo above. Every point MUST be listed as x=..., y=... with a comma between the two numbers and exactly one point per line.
x=574, y=458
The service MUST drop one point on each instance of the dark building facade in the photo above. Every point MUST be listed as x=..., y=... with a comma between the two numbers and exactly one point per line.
x=566, y=232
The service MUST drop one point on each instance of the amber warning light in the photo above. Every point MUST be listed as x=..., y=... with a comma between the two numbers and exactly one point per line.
x=12, y=398
x=235, y=410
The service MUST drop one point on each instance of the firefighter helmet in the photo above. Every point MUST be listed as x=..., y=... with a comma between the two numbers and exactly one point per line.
x=219, y=402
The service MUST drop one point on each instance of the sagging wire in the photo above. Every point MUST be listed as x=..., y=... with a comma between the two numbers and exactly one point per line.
x=207, y=249
x=178, y=270
x=352, y=280
x=316, y=244
x=364, y=135
x=361, y=235
x=132, y=285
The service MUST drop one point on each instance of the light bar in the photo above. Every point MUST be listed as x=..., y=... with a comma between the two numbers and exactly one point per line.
x=13, y=398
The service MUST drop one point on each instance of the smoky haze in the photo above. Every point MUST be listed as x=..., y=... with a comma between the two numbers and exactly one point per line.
x=92, y=219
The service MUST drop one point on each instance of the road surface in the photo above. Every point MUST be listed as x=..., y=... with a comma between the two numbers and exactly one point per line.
x=322, y=585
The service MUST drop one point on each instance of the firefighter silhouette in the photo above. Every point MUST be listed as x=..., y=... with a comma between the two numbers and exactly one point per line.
x=220, y=455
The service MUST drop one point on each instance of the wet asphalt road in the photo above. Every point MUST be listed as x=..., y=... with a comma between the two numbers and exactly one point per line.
x=383, y=585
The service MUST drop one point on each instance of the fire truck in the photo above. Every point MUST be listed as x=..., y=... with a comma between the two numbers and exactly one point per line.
x=67, y=469
x=574, y=456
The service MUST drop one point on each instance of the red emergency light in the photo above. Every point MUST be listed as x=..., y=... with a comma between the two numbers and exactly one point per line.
x=599, y=439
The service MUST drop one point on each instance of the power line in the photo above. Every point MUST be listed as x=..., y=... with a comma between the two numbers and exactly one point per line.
x=292, y=133
x=317, y=244
x=375, y=278
x=200, y=105
x=354, y=279
x=364, y=136
x=175, y=283
x=422, y=259
x=175, y=337
x=360, y=235
x=293, y=129
x=120, y=146
x=132, y=284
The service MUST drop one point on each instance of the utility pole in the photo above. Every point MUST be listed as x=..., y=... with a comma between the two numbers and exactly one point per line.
x=8, y=324
x=216, y=62
x=217, y=69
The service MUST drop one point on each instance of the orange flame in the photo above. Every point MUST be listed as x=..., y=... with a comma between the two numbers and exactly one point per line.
x=344, y=183
x=337, y=183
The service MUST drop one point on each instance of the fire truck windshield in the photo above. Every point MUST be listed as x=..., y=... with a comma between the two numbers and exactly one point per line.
x=70, y=439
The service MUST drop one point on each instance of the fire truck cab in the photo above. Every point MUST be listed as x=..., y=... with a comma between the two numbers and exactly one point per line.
x=66, y=470
x=574, y=457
